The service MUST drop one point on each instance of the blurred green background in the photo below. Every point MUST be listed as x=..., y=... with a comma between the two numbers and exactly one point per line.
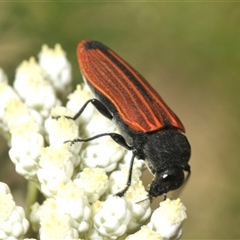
x=189, y=52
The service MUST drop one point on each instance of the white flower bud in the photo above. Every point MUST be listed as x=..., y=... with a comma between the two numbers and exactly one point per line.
x=92, y=128
x=56, y=168
x=61, y=130
x=118, y=179
x=33, y=86
x=13, y=224
x=67, y=216
x=77, y=99
x=58, y=68
x=140, y=211
x=72, y=201
x=93, y=181
x=103, y=154
x=7, y=95
x=112, y=219
x=17, y=112
x=26, y=146
x=167, y=220
x=54, y=223
x=140, y=164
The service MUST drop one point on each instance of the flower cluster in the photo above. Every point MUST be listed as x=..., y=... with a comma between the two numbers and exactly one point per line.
x=78, y=181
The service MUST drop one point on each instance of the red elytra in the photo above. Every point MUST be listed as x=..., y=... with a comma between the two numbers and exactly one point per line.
x=137, y=103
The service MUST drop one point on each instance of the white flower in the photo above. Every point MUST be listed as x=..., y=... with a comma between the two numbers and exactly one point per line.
x=118, y=179
x=77, y=99
x=66, y=216
x=54, y=223
x=7, y=95
x=61, y=130
x=141, y=211
x=112, y=219
x=140, y=164
x=93, y=181
x=55, y=168
x=13, y=224
x=17, y=112
x=72, y=201
x=102, y=154
x=26, y=146
x=167, y=220
x=92, y=128
x=58, y=68
x=33, y=86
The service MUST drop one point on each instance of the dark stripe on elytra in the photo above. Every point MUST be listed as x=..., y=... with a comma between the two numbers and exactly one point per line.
x=105, y=50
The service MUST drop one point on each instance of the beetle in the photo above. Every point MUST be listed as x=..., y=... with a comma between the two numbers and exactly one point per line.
x=147, y=126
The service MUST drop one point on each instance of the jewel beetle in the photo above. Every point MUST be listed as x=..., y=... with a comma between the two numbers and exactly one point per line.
x=147, y=126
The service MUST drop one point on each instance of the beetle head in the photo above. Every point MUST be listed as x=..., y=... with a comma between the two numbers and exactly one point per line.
x=165, y=181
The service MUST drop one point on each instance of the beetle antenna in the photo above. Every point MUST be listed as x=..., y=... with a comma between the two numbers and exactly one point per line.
x=143, y=200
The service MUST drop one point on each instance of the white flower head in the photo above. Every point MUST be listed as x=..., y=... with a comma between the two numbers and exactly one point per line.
x=112, y=219
x=76, y=99
x=167, y=220
x=17, y=112
x=13, y=224
x=7, y=94
x=61, y=130
x=7, y=204
x=105, y=154
x=58, y=111
x=72, y=201
x=58, y=68
x=139, y=163
x=69, y=211
x=54, y=224
x=141, y=210
x=118, y=179
x=33, y=86
x=26, y=144
x=93, y=181
x=92, y=127
x=55, y=168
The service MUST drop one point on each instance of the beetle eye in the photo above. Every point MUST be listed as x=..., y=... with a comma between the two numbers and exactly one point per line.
x=167, y=178
x=165, y=181
x=171, y=176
